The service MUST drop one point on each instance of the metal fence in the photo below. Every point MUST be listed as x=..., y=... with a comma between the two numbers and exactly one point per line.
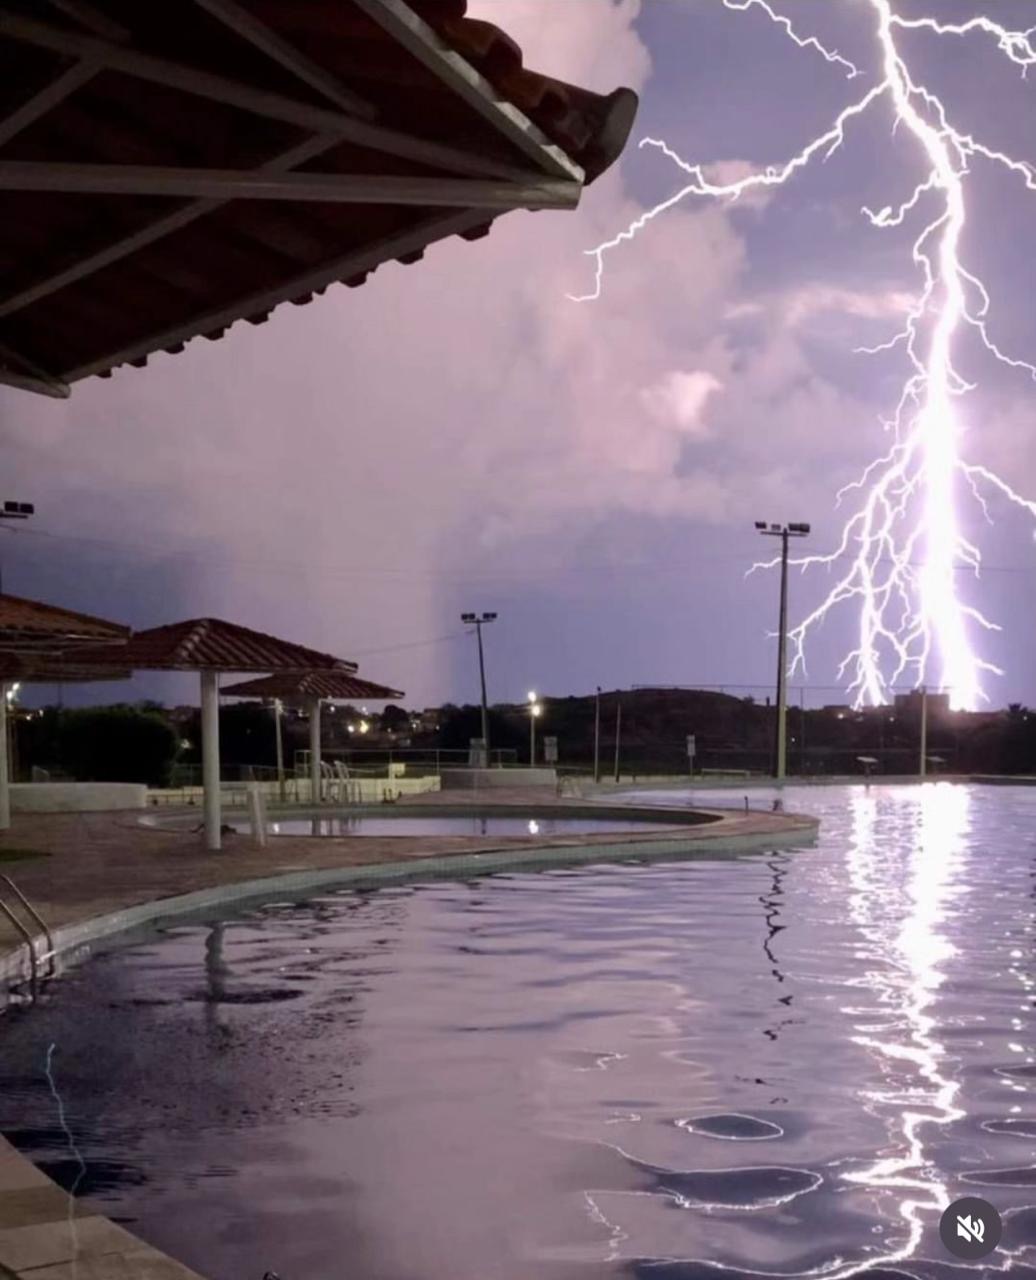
x=418, y=761
x=746, y=762
x=636, y=761
x=363, y=766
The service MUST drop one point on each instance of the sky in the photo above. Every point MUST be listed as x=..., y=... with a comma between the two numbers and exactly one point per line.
x=459, y=435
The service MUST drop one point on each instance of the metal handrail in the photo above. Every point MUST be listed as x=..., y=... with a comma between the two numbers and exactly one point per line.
x=36, y=918
x=33, y=961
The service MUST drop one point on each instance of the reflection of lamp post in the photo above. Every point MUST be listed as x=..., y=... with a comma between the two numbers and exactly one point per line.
x=535, y=710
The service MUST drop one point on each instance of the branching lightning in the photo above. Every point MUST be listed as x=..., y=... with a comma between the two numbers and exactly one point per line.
x=904, y=542
x=63, y=1121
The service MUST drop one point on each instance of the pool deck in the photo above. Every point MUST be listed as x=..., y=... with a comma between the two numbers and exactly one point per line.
x=105, y=871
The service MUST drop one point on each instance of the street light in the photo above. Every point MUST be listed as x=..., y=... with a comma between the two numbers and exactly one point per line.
x=478, y=620
x=535, y=710
x=784, y=532
x=15, y=511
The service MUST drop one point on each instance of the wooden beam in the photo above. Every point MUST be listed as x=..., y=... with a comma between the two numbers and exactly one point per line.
x=260, y=102
x=48, y=97
x=257, y=33
x=327, y=188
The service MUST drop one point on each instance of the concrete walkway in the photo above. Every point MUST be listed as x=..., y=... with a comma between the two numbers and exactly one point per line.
x=99, y=863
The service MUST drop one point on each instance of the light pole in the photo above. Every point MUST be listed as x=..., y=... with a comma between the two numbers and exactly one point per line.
x=922, y=767
x=535, y=710
x=477, y=620
x=15, y=511
x=597, y=735
x=784, y=532
x=618, y=734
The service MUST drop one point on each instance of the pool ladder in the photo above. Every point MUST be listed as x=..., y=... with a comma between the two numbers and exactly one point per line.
x=35, y=958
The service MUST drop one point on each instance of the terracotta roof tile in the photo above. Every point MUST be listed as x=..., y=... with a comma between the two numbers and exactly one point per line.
x=210, y=644
x=318, y=684
x=31, y=626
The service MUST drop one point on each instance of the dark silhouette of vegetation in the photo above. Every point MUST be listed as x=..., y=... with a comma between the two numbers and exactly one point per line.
x=116, y=744
x=460, y=724
x=247, y=735
x=394, y=719
x=1018, y=742
x=731, y=733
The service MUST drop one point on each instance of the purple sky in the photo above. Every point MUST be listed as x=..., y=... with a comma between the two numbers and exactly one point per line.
x=457, y=435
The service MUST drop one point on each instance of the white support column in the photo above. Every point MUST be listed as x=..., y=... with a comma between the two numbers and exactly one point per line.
x=314, y=749
x=5, y=782
x=277, y=712
x=210, y=758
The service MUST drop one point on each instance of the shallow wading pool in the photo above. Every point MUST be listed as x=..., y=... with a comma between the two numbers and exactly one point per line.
x=466, y=820
x=475, y=824
x=784, y=1063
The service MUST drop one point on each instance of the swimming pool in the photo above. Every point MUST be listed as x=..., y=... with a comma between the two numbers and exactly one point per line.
x=783, y=1063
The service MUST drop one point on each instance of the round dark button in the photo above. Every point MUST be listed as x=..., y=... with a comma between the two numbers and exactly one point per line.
x=970, y=1228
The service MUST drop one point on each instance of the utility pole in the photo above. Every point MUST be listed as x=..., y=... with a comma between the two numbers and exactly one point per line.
x=802, y=730
x=477, y=621
x=618, y=733
x=14, y=511
x=784, y=532
x=923, y=762
x=597, y=735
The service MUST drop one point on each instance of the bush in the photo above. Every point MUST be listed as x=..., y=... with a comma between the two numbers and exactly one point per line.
x=117, y=744
x=247, y=735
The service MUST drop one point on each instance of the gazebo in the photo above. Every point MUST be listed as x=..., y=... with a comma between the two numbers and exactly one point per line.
x=311, y=688
x=170, y=169
x=211, y=646
x=34, y=638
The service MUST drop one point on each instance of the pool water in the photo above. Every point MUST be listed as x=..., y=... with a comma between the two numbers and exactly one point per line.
x=348, y=824
x=781, y=1064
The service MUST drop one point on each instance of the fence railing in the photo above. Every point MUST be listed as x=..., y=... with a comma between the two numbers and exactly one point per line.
x=419, y=761
x=719, y=764
x=757, y=763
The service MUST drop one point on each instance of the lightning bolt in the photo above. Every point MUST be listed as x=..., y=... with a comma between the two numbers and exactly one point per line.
x=904, y=541
x=63, y=1120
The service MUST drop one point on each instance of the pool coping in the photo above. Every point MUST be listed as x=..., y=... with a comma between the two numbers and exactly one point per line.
x=44, y=1235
